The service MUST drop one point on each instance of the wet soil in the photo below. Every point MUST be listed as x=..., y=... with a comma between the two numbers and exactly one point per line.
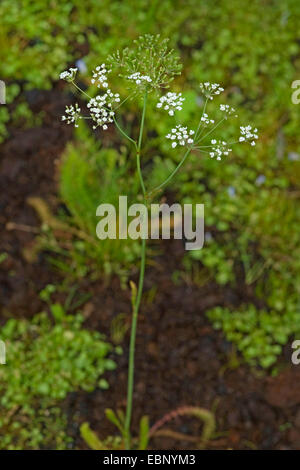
x=180, y=359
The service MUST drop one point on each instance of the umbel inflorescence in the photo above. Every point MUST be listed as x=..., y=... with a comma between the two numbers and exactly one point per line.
x=150, y=67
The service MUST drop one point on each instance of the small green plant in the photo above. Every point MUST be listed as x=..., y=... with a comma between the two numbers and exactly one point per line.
x=251, y=241
x=89, y=176
x=46, y=359
x=116, y=442
x=149, y=67
x=146, y=433
x=258, y=334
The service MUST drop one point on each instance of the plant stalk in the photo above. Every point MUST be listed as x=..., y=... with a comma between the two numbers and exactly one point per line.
x=138, y=297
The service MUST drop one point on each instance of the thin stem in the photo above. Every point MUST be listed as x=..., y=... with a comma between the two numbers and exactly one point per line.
x=215, y=127
x=139, y=145
x=81, y=91
x=138, y=297
x=142, y=121
x=138, y=164
x=198, y=128
x=122, y=102
x=184, y=157
x=132, y=347
x=124, y=133
x=157, y=188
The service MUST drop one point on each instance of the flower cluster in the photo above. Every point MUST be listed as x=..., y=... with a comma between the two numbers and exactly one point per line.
x=228, y=110
x=180, y=135
x=248, y=134
x=72, y=114
x=100, y=76
x=68, y=75
x=101, y=108
x=209, y=89
x=205, y=119
x=219, y=148
x=138, y=78
x=171, y=102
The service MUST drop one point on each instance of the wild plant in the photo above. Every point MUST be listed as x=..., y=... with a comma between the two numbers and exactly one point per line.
x=148, y=68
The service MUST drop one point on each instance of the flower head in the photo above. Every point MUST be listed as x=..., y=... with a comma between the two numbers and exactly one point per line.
x=101, y=108
x=148, y=63
x=139, y=79
x=72, y=114
x=219, y=148
x=180, y=136
x=210, y=89
x=171, y=102
x=247, y=134
x=205, y=119
x=100, y=76
x=227, y=110
x=68, y=75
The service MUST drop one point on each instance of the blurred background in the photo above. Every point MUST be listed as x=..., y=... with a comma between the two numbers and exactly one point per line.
x=216, y=325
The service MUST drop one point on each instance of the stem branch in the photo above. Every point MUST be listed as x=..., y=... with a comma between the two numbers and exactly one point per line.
x=158, y=188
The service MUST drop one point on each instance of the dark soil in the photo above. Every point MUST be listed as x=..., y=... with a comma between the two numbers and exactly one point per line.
x=180, y=359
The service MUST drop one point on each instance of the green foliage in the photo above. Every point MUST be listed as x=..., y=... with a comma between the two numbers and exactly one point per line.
x=91, y=438
x=46, y=361
x=116, y=442
x=89, y=176
x=251, y=238
x=94, y=443
x=258, y=334
x=252, y=233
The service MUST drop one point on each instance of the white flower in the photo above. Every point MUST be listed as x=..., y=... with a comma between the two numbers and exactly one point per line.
x=101, y=108
x=68, y=75
x=219, y=148
x=247, y=133
x=180, y=135
x=100, y=76
x=171, y=102
x=72, y=114
x=138, y=78
x=228, y=110
x=205, y=119
x=210, y=89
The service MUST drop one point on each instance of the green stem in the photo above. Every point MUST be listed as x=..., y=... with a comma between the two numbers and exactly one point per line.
x=173, y=172
x=132, y=348
x=81, y=91
x=158, y=188
x=138, y=297
x=199, y=125
x=124, y=133
x=215, y=127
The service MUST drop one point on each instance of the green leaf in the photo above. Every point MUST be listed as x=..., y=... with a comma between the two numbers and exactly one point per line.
x=112, y=417
x=91, y=438
x=144, y=433
x=58, y=312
